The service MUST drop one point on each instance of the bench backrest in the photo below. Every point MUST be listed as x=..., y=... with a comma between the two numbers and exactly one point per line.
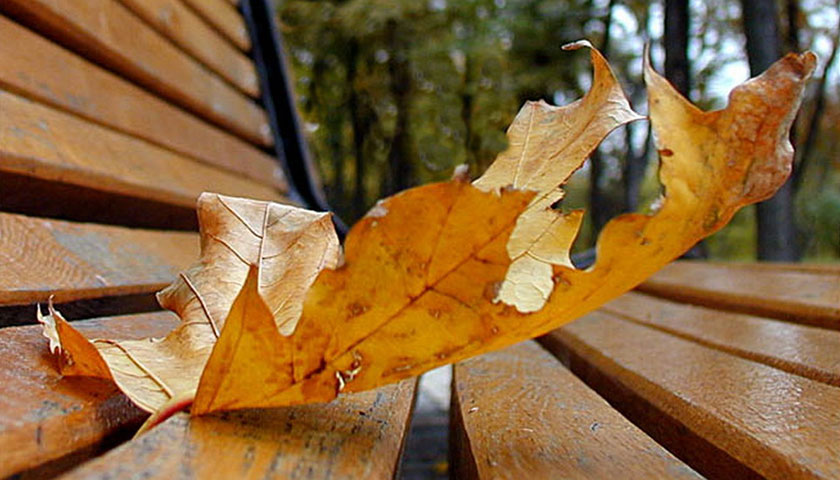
x=120, y=113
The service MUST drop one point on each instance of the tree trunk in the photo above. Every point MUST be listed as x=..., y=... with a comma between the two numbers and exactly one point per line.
x=775, y=217
x=399, y=157
x=677, y=69
x=361, y=126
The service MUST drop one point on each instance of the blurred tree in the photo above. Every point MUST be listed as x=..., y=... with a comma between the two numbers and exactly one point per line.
x=395, y=93
x=775, y=217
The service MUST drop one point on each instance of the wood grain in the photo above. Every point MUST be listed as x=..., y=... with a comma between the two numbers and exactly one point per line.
x=521, y=414
x=809, y=297
x=110, y=35
x=807, y=351
x=49, y=423
x=223, y=17
x=72, y=261
x=42, y=142
x=725, y=416
x=187, y=30
x=36, y=68
x=358, y=436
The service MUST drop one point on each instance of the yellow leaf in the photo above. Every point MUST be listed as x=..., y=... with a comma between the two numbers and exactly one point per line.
x=547, y=144
x=289, y=245
x=423, y=268
x=249, y=358
x=446, y=271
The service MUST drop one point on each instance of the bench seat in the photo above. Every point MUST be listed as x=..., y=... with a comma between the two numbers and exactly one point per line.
x=731, y=394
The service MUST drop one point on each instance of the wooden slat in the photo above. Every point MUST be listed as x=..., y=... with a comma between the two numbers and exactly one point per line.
x=519, y=414
x=109, y=34
x=42, y=142
x=725, y=416
x=37, y=68
x=41, y=257
x=224, y=17
x=808, y=297
x=816, y=268
x=807, y=351
x=181, y=25
x=358, y=436
x=49, y=423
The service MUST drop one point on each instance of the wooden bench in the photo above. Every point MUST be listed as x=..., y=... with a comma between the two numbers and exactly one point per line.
x=116, y=114
x=731, y=394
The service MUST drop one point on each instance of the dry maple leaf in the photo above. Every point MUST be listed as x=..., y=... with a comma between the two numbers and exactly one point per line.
x=443, y=272
x=290, y=245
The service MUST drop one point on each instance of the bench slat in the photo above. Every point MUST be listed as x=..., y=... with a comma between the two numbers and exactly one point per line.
x=109, y=34
x=181, y=25
x=224, y=17
x=725, y=416
x=37, y=68
x=72, y=261
x=807, y=297
x=801, y=350
x=358, y=436
x=518, y=413
x=49, y=423
x=38, y=141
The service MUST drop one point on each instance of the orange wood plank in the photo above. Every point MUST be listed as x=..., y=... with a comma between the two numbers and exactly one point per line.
x=224, y=17
x=109, y=34
x=49, y=423
x=42, y=142
x=820, y=268
x=518, y=414
x=37, y=68
x=809, y=297
x=186, y=29
x=725, y=416
x=357, y=436
x=73, y=261
x=807, y=351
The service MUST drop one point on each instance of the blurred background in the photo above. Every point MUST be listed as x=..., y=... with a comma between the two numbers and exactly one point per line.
x=395, y=93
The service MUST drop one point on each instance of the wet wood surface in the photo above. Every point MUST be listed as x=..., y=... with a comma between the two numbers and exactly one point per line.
x=190, y=32
x=726, y=416
x=43, y=142
x=519, y=413
x=41, y=70
x=799, y=349
x=107, y=33
x=358, y=436
x=42, y=258
x=49, y=423
x=225, y=18
x=807, y=295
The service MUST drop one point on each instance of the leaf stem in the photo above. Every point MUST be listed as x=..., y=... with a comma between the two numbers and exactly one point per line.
x=171, y=407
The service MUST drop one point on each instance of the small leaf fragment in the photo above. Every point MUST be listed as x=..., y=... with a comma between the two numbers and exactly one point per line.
x=547, y=145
